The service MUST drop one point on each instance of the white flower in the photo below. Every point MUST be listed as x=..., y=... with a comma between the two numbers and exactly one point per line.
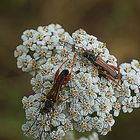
x=37, y=83
x=131, y=80
x=112, y=60
x=126, y=69
x=74, y=111
x=28, y=34
x=109, y=119
x=23, y=62
x=85, y=124
x=106, y=129
x=65, y=39
x=20, y=50
x=58, y=134
x=28, y=102
x=109, y=94
x=33, y=66
x=135, y=65
x=136, y=100
x=91, y=93
x=44, y=30
x=98, y=123
x=57, y=118
x=55, y=29
x=46, y=70
x=31, y=113
x=127, y=105
x=123, y=92
x=39, y=39
x=87, y=107
x=103, y=85
x=102, y=106
x=42, y=54
x=29, y=44
x=116, y=108
x=51, y=41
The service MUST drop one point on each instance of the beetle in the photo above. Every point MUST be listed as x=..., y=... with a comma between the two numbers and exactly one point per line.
x=60, y=80
x=107, y=70
x=53, y=96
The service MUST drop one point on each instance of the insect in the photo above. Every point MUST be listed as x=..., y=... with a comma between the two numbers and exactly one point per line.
x=53, y=96
x=107, y=70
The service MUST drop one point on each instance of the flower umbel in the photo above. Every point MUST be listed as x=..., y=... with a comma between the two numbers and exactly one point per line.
x=86, y=95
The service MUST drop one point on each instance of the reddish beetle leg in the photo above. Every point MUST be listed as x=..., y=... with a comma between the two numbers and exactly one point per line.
x=58, y=71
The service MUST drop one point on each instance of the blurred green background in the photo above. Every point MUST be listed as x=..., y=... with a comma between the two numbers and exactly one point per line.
x=116, y=22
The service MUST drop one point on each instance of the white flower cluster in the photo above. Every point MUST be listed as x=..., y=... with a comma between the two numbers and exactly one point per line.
x=90, y=101
x=130, y=80
x=40, y=47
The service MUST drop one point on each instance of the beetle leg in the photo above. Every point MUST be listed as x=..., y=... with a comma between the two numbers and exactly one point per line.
x=58, y=71
x=69, y=75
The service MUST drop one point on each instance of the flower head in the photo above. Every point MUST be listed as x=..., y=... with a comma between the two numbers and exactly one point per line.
x=93, y=92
